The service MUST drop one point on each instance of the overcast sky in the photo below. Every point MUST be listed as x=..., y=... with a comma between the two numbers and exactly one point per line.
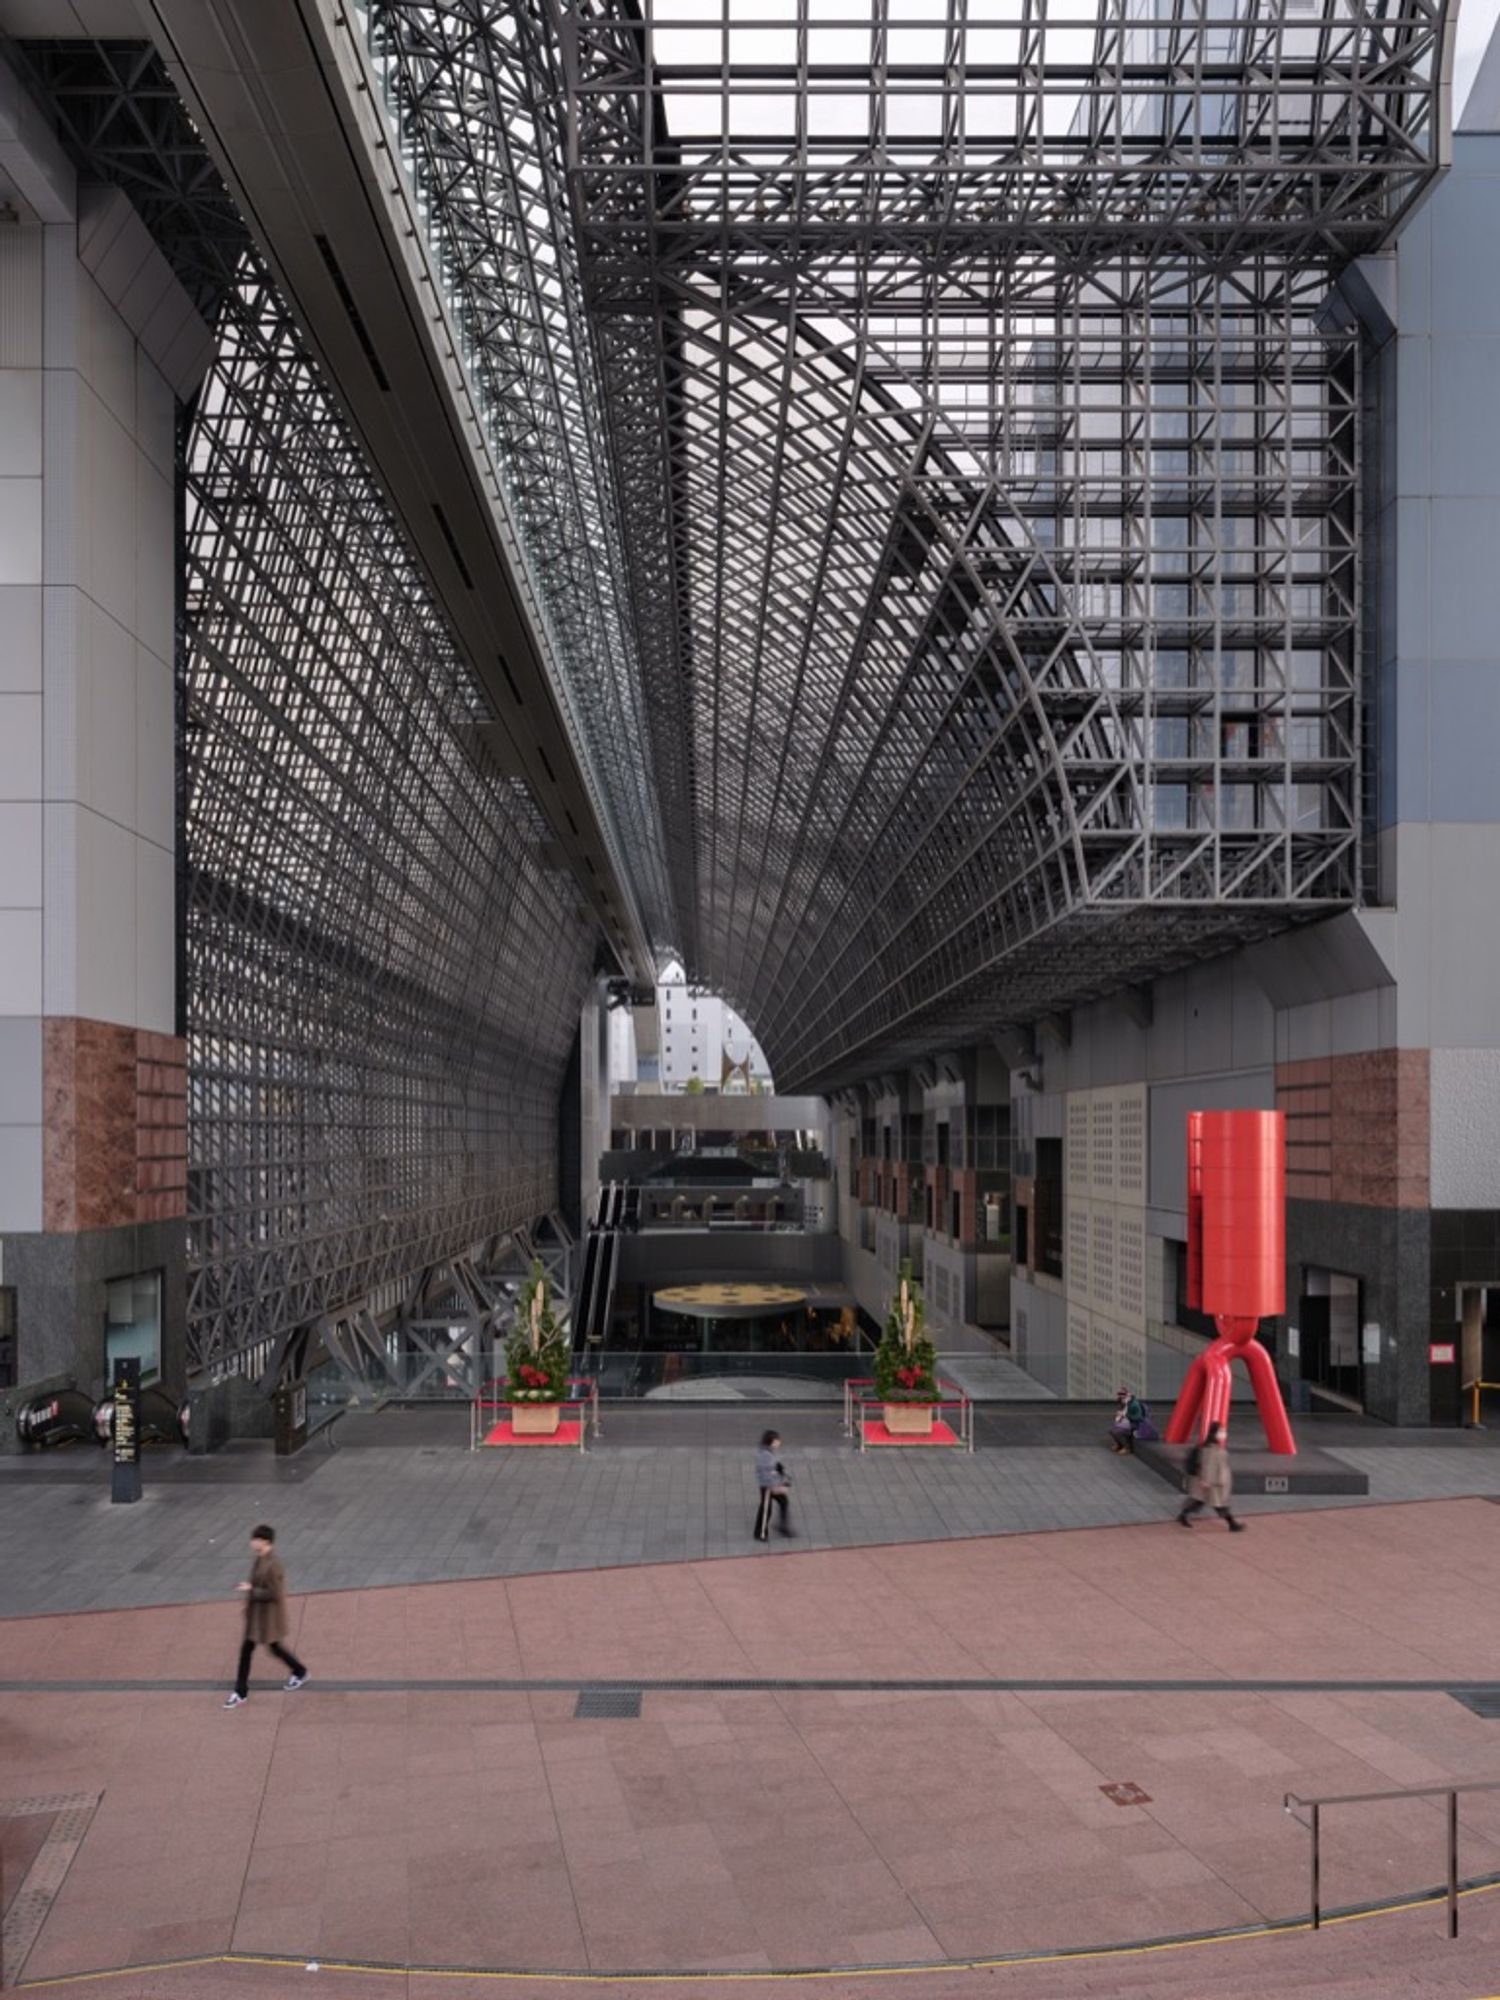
x=1476, y=18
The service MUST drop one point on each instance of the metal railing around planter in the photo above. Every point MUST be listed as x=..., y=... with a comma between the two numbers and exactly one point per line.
x=858, y=1408
x=493, y=1397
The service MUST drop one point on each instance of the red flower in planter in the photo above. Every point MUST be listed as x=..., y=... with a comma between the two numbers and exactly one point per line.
x=911, y=1377
x=534, y=1378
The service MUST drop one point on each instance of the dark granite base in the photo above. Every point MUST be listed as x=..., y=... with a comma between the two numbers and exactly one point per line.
x=1310, y=1471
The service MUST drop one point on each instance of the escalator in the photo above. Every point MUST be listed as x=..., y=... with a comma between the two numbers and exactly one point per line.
x=587, y=1285
x=595, y=1305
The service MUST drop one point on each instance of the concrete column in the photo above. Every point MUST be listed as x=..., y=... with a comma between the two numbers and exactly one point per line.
x=93, y=1142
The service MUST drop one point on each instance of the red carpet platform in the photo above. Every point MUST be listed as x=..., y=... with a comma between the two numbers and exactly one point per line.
x=566, y=1434
x=941, y=1433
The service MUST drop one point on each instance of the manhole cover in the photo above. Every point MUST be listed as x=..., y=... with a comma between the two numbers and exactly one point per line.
x=597, y=1703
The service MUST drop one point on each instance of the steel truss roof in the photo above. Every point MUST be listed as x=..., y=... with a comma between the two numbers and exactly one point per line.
x=987, y=481
x=992, y=480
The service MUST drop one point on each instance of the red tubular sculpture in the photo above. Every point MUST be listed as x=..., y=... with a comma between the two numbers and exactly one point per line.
x=1236, y=1264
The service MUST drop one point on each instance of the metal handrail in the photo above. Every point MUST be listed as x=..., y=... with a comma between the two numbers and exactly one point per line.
x=1475, y=1386
x=1450, y=1792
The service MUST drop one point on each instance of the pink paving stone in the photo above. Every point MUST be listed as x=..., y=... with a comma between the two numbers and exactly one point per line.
x=426, y=1796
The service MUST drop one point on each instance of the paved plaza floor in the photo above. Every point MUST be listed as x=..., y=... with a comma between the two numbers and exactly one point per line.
x=402, y=1500
x=884, y=1745
x=855, y=1758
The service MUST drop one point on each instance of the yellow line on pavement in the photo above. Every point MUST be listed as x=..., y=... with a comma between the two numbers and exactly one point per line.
x=286, y=1963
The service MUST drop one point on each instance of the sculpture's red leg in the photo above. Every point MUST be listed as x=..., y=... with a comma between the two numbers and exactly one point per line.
x=1185, y=1411
x=1219, y=1384
x=1268, y=1396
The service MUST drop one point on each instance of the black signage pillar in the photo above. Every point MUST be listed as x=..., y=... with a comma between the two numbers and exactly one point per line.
x=289, y=1412
x=125, y=1441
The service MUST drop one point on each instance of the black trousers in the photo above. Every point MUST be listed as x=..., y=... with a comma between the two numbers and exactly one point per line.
x=768, y=1495
x=289, y=1660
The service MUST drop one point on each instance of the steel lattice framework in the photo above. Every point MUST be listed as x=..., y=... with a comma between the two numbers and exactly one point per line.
x=1012, y=518
x=943, y=479
x=384, y=984
x=986, y=475
x=382, y=978
x=478, y=110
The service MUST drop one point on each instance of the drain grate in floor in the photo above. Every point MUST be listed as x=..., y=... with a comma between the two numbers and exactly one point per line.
x=602, y=1702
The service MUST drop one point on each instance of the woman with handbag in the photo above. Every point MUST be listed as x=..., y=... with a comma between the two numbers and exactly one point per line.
x=1209, y=1480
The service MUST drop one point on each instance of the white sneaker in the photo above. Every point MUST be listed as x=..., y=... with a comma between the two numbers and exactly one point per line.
x=293, y=1681
x=235, y=1700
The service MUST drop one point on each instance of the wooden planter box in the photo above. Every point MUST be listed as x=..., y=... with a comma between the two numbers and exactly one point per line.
x=535, y=1419
x=909, y=1419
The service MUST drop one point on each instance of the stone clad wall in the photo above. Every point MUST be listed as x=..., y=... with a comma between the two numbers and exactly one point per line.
x=115, y=1150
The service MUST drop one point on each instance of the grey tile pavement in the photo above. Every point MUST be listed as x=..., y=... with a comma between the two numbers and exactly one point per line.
x=414, y=1511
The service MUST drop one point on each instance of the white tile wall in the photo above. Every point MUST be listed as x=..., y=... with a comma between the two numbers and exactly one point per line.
x=155, y=409
x=20, y=530
x=20, y=961
x=21, y=294
x=108, y=933
x=21, y=1071
x=87, y=776
x=155, y=760
x=20, y=1178
x=107, y=500
x=106, y=353
x=20, y=855
x=20, y=638
x=1078, y=1349
x=155, y=571
x=1130, y=1267
x=20, y=746
x=156, y=950
x=105, y=752
x=1130, y=1145
x=1076, y=1240
x=1077, y=1170
x=60, y=892
x=20, y=423
x=1102, y=1144
x=1101, y=1292
x=1105, y=1238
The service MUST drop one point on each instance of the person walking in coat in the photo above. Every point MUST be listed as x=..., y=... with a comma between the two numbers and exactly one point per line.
x=771, y=1478
x=1210, y=1480
x=265, y=1617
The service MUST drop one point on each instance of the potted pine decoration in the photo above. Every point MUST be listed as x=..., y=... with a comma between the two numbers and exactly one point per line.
x=537, y=1356
x=906, y=1364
